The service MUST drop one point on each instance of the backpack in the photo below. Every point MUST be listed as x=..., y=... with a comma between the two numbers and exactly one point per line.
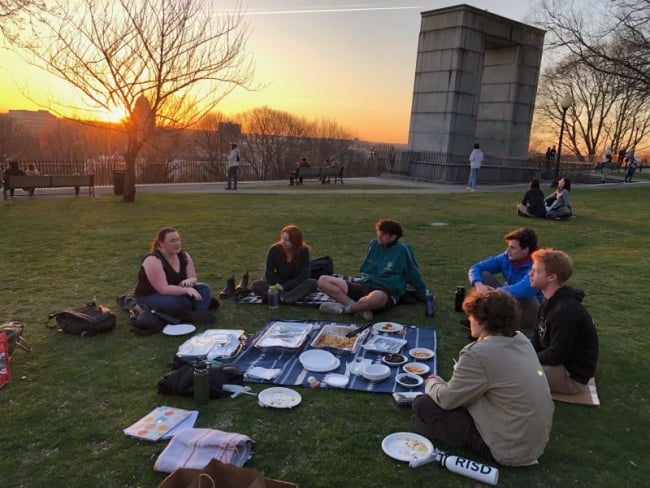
x=321, y=266
x=180, y=381
x=145, y=321
x=89, y=320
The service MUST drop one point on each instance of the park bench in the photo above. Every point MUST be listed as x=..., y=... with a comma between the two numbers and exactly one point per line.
x=13, y=182
x=316, y=172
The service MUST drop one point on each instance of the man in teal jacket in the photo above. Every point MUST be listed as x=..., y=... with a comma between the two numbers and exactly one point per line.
x=388, y=267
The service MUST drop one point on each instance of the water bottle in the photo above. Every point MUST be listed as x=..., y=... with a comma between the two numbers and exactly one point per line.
x=471, y=469
x=429, y=309
x=459, y=298
x=201, y=384
x=274, y=297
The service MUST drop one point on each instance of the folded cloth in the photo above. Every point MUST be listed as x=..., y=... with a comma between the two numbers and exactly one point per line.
x=263, y=373
x=195, y=448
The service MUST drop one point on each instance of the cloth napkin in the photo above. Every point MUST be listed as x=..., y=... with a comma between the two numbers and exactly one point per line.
x=195, y=448
x=263, y=373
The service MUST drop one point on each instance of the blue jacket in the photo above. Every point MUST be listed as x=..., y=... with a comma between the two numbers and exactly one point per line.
x=390, y=268
x=517, y=281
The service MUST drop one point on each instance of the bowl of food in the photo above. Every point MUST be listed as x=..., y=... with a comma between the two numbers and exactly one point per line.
x=393, y=359
x=376, y=372
x=416, y=368
x=409, y=380
x=421, y=353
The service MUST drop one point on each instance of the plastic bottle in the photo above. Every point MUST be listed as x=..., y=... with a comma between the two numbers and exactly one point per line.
x=274, y=297
x=429, y=307
x=201, y=383
x=459, y=298
x=471, y=469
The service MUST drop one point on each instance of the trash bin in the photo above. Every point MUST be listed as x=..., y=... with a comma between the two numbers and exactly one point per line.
x=118, y=182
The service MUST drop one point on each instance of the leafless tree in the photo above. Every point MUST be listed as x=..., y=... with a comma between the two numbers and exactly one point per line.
x=612, y=37
x=13, y=13
x=164, y=62
x=606, y=110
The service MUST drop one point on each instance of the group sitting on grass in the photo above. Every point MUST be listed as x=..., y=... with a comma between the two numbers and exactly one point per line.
x=555, y=206
x=498, y=401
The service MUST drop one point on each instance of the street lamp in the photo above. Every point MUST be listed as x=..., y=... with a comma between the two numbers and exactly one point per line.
x=565, y=103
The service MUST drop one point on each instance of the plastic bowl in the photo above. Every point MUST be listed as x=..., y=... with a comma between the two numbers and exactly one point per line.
x=376, y=372
x=393, y=359
x=409, y=380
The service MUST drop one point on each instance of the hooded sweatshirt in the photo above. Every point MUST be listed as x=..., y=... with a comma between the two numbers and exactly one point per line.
x=565, y=334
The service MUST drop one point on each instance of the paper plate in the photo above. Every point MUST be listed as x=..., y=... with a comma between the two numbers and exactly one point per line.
x=421, y=353
x=416, y=368
x=388, y=327
x=319, y=361
x=178, y=329
x=407, y=446
x=336, y=380
x=279, y=397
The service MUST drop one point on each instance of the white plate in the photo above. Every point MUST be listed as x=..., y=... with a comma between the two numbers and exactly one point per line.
x=388, y=327
x=416, y=368
x=178, y=329
x=319, y=361
x=407, y=446
x=279, y=397
x=336, y=380
x=421, y=353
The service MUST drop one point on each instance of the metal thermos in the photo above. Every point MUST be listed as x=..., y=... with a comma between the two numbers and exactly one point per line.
x=274, y=297
x=476, y=471
x=459, y=297
x=429, y=306
x=201, y=383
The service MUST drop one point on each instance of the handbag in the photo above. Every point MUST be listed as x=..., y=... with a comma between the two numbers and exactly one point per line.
x=145, y=321
x=14, y=332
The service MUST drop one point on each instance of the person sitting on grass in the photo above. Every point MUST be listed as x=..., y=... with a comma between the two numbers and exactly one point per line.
x=388, y=267
x=532, y=205
x=565, y=336
x=497, y=402
x=558, y=204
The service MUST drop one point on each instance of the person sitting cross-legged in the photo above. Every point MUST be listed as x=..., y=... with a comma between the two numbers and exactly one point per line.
x=387, y=268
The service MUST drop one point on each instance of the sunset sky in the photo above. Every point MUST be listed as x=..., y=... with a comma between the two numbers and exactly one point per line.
x=335, y=59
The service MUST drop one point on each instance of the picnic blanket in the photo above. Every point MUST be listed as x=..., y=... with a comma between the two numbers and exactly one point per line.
x=588, y=397
x=293, y=374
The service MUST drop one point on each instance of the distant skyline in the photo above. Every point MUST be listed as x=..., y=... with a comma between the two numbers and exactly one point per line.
x=353, y=63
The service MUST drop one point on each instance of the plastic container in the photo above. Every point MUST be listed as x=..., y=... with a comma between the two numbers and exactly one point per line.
x=429, y=308
x=201, y=385
x=274, y=297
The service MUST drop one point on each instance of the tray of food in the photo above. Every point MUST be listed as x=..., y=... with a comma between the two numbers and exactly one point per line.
x=285, y=335
x=333, y=336
x=384, y=344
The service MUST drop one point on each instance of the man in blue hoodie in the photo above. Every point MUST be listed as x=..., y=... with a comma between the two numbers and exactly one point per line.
x=565, y=336
x=388, y=267
x=513, y=265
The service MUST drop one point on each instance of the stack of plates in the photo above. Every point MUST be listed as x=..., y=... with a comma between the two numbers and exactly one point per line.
x=319, y=361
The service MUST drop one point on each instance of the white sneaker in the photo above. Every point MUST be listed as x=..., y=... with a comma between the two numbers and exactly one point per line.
x=472, y=189
x=469, y=188
x=366, y=315
x=331, y=307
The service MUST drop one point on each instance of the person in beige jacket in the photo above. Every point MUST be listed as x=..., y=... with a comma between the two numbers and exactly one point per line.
x=497, y=402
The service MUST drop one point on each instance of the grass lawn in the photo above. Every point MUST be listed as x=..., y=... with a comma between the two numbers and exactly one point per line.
x=64, y=411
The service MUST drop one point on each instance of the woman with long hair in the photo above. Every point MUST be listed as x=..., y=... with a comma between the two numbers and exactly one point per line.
x=287, y=267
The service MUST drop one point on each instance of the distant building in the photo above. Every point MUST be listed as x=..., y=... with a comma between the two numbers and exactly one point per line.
x=34, y=122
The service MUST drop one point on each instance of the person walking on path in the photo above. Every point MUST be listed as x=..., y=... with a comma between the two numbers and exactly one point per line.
x=475, y=160
x=233, y=167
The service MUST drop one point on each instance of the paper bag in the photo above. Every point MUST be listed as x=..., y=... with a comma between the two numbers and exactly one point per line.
x=223, y=475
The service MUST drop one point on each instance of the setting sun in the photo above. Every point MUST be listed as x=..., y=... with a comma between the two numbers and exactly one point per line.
x=114, y=115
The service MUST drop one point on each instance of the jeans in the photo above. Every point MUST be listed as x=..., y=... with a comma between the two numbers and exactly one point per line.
x=471, y=181
x=175, y=305
x=232, y=177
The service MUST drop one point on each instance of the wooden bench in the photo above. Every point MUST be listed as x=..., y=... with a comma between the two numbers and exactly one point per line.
x=316, y=172
x=62, y=181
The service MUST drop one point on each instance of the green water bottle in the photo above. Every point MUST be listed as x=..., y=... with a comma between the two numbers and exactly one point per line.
x=201, y=383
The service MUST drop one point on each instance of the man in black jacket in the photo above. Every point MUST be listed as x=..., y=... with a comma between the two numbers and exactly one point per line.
x=565, y=337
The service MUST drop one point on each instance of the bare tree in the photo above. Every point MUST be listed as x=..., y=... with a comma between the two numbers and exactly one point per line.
x=609, y=36
x=13, y=13
x=164, y=62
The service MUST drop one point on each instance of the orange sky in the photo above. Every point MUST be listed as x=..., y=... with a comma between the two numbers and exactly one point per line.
x=351, y=64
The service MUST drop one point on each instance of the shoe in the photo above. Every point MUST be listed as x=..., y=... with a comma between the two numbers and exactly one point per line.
x=331, y=307
x=242, y=287
x=366, y=315
x=228, y=290
x=469, y=188
x=472, y=189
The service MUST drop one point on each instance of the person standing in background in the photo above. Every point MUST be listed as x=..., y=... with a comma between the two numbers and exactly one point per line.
x=233, y=167
x=475, y=160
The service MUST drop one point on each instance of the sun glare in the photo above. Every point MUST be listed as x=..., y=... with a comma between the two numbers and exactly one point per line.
x=114, y=115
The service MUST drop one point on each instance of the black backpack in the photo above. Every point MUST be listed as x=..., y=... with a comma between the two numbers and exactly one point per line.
x=89, y=320
x=321, y=266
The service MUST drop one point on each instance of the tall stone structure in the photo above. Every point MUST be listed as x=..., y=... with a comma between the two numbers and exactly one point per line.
x=475, y=81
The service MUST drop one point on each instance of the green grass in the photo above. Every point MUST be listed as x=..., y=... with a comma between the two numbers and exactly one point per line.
x=64, y=411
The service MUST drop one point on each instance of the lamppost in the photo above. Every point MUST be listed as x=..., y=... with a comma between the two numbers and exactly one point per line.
x=565, y=103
